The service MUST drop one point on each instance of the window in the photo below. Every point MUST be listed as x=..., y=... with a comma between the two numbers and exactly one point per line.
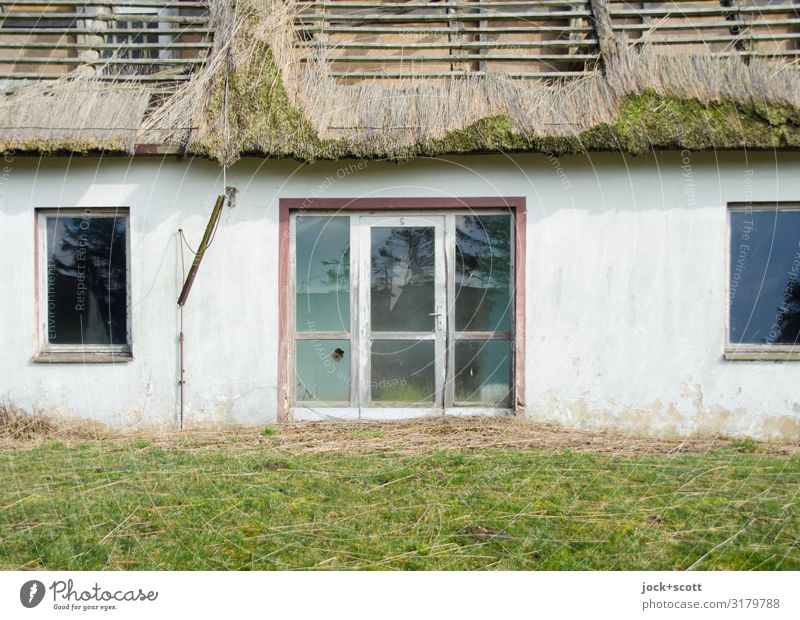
x=764, y=287
x=84, y=284
x=140, y=39
x=401, y=310
x=322, y=306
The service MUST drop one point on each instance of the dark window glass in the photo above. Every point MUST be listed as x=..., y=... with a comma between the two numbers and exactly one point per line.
x=764, y=295
x=483, y=273
x=129, y=48
x=87, y=280
x=138, y=36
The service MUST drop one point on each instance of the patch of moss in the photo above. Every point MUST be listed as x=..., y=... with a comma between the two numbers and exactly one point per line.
x=650, y=120
x=76, y=145
x=496, y=133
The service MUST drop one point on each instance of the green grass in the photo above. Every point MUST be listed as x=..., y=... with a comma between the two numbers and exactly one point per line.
x=137, y=506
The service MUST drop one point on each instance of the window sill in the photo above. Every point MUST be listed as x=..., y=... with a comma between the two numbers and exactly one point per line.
x=757, y=354
x=83, y=357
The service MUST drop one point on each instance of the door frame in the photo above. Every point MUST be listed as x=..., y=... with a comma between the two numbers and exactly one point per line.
x=363, y=378
x=516, y=205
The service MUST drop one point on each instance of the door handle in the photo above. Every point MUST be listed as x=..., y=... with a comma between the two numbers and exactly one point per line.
x=438, y=316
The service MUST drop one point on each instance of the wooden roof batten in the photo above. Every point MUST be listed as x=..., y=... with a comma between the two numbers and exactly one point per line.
x=767, y=29
x=160, y=43
x=156, y=42
x=535, y=39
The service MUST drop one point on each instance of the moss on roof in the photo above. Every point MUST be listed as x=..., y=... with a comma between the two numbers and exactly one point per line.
x=75, y=145
x=652, y=121
x=264, y=121
x=647, y=121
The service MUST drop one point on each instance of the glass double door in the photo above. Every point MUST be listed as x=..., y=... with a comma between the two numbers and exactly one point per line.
x=402, y=313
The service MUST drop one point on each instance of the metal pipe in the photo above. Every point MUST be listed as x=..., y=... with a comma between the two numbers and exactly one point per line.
x=181, y=380
x=210, y=228
x=187, y=287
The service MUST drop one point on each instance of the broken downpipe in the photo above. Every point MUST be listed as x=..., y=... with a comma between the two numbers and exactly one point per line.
x=208, y=237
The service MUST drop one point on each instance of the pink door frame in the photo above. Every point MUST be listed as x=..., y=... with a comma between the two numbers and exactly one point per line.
x=515, y=204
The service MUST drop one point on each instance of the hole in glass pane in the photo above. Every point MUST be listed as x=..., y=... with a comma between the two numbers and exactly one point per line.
x=482, y=372
x=323, y=371
x=322, y=278
x=403, y=371
x=483, y=272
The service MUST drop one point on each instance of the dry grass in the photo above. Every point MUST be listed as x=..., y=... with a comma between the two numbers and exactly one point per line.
x=18, y=427
x=454, y=433
x=410, y=437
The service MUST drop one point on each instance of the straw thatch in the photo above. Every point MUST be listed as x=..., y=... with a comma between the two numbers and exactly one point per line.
x=255, y=95
x=71, y=115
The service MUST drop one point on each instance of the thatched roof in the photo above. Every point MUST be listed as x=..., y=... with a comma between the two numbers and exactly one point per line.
x=259, y=93
x=73, y=116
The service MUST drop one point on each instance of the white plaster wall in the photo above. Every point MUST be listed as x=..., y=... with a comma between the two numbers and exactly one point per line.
x=626, y=284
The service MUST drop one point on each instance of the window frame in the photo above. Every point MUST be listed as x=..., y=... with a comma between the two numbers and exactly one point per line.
x=513, y=206
x=147, y=12
x=735, y=351
x=77, y=353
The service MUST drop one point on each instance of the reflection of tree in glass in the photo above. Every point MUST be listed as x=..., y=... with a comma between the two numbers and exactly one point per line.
x=338, y=276
x=402, y=295
x=322, y=275
x=789, y=316
x=483, y=272
x=89, y=261
x=483, y=246
x=411, y=249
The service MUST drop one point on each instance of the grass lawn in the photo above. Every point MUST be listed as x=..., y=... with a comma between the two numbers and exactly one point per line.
x=138, y=504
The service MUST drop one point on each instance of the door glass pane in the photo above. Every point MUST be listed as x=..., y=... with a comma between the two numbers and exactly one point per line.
x=764, y=294
x=87, y=280
x=322, y=278
x=482, y=372
x=483, y=273
x=403, y=371
x=403, y=275
x=323, y=371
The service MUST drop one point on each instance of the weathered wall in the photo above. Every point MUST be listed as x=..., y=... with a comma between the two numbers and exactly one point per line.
x=626, y=284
